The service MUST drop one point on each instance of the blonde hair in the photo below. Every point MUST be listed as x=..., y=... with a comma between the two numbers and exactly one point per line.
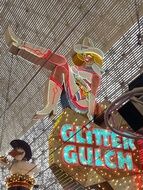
x=77, y=61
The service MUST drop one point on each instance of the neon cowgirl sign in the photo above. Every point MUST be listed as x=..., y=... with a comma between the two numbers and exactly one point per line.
x=96, y=147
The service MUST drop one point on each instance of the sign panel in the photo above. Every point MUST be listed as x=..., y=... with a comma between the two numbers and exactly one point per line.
x=90, y=155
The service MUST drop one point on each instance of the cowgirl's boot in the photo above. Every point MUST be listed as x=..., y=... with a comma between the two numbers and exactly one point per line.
x=12, y=41
x=53, y=96
x=30, y=52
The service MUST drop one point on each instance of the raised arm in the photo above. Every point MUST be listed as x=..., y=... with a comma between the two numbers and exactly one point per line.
x=4, y=162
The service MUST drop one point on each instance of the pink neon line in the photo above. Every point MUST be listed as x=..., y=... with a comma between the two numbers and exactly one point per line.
x=36, y=51
x=55, y=81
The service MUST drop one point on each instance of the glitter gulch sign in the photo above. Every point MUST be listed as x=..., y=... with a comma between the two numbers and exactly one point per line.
x=84, y=148
x=140, y=144
x=88, y=155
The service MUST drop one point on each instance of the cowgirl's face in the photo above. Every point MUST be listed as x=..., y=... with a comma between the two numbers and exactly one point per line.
x=88, y=59
x=17, y=153
x=83, y=59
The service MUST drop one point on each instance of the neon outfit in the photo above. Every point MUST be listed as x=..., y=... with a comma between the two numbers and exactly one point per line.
x=77, y=99
x=80, y=82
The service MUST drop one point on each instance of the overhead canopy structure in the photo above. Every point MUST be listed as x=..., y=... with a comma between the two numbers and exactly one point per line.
x=114, y=27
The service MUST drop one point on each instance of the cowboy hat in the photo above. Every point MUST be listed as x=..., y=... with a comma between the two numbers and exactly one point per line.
x=87, y=47
x=24, y=145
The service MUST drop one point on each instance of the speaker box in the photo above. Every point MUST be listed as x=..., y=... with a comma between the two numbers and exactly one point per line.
x=132, y=115
x=132, y=111
x=137, y=82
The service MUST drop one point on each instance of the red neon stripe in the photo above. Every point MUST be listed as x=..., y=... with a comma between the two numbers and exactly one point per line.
x=55, y=81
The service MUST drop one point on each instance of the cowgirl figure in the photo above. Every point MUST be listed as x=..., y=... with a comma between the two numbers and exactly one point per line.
x=80, y=81
x=21, y=170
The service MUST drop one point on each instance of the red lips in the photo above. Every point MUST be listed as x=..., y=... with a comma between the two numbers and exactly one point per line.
x=14, y=153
